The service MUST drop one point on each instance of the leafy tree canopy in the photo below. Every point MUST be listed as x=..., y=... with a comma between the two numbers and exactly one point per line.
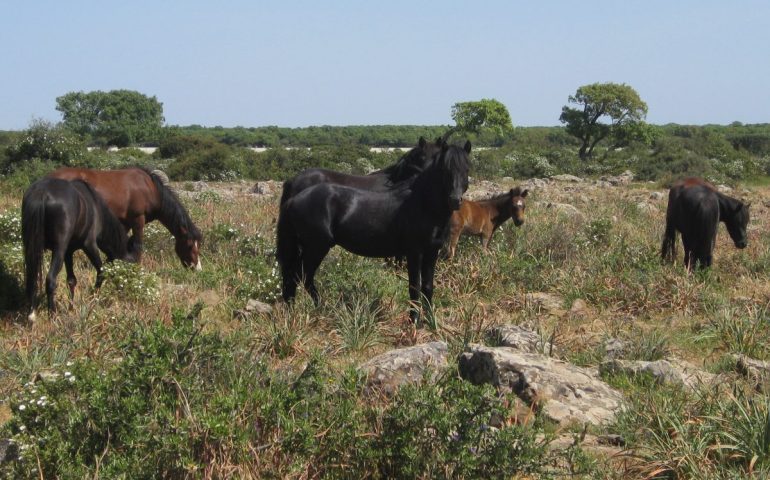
x=617, y=104
x=117, y=117
x=472, y=117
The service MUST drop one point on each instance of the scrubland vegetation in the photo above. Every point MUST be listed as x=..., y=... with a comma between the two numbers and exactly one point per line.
x=162, y=374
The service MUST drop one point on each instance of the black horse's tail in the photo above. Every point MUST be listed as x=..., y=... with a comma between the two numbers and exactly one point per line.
x=33, y=238
x=286, y=193
x=668, y=247
x=287, y=253
x=112, y=238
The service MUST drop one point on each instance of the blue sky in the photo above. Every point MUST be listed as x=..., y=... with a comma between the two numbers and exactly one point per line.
x=301, y=63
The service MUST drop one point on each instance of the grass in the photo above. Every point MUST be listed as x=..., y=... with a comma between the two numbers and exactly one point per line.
x=212, y=394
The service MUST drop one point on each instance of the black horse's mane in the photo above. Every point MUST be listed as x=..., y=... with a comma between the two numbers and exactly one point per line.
x=172, y=213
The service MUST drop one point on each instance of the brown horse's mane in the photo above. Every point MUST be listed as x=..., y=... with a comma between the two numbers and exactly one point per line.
x=172, y=213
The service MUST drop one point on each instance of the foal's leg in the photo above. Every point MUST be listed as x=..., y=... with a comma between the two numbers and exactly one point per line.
x=486, y=236
x=454, y=236
x=57, y=259
x=414, y=266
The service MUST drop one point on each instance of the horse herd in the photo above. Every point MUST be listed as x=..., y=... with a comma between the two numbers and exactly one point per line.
x=408, y=210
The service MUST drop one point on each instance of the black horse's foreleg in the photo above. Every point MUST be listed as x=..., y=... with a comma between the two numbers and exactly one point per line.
x=414, y=266
x=428, y=269
x=311, y=260
x=92, y=252
x=57, y=259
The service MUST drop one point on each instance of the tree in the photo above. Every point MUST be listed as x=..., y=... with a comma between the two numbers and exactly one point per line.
x=471, y=117
x=618, y=103
x=117, y=117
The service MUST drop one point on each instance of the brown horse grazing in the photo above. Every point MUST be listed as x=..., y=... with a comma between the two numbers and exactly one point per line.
x=695, y=208
x=485, y=216
x=137, y=197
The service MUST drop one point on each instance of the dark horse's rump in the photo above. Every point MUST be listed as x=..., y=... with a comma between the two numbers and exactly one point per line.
x=695, y=208
x=63, y=217
x=410, y=219
x=412, y=163
x=137, y=197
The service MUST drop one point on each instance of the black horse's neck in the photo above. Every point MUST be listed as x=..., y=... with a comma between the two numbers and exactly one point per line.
x=727, y=206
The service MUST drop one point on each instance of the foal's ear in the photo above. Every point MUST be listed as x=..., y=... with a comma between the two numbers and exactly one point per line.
x=524, y=193
x=515, y=192
x=467, y=146
x=421, y=143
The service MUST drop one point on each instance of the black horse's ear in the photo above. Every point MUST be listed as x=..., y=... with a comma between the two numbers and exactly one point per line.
x=439, y=141
x=467, y=146
x=421, y=143
x=524, y=193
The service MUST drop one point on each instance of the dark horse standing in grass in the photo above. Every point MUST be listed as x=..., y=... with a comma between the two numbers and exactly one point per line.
x=411, y=219
x=483, y=217
x=412, y=163
x=695, y=208
x=137, y=197
x=64, y=217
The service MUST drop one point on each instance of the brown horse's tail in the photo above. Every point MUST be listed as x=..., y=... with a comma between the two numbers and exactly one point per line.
x=668, y=247
x=33, y=238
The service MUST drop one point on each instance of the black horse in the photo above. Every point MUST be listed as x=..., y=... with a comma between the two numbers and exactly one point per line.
x=412, y=163
x=65, y=216
x=695, y=208
x=411, y=219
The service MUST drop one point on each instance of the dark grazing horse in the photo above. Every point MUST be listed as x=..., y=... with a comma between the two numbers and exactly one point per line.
x=64, y=217
x=411, y=219
x=137, y=197
x=483, y=217
x=412, y=163
x=695, y=208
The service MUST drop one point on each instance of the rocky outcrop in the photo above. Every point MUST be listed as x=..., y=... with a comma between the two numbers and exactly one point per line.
x=518, y=338
x=757, y=371
x=547, y=302
x=564, y=392
x=567, y=178
x=390, y=370
x=669, y=371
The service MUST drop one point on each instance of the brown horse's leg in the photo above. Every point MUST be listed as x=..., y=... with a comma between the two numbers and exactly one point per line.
x=454, y=237
x=135, y=243
x=414, y=266
x=71, y=280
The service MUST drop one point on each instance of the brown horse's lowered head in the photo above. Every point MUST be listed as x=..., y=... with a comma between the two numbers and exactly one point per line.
x=517, y=205
x=187, y=247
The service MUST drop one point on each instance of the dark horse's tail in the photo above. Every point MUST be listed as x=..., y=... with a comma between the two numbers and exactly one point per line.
x=668, y=247
x=112, y=238
x=287, y=253
x=33, y=238
x=286, y=193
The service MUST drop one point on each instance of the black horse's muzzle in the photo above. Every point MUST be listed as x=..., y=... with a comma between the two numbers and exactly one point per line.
x=741, y=244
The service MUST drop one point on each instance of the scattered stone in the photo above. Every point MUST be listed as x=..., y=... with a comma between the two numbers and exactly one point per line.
x=669, y=371
x=757, y=371
x=645, y=207
x=611, y=439
x=567, y=178
x=409, y=365
x=588, y=443
x=535, y=183
x=623, y=179
x=724, y=189
x=579, y=308
x=566, y=209
x=615, y=348
x=270, y=187
x=518, y=338
x=657, y=196
x=565, y=393
x=9, y=451
x=602, y=184
x=549, y=302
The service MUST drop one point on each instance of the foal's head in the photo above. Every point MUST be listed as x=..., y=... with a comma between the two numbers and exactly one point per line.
x=517, y=196
x=737, y=222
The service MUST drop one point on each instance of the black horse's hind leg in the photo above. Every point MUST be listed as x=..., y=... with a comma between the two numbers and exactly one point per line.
x=71, y=280
x=311, y=259
x=92, y=252
x=57, y=259
x=414, y=266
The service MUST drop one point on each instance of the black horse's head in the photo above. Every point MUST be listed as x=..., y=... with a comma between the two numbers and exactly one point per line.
x=415, y=160
x=454, y=164
x=737, y=222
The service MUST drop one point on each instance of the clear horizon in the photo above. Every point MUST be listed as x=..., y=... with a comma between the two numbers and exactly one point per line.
x=342, y=63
